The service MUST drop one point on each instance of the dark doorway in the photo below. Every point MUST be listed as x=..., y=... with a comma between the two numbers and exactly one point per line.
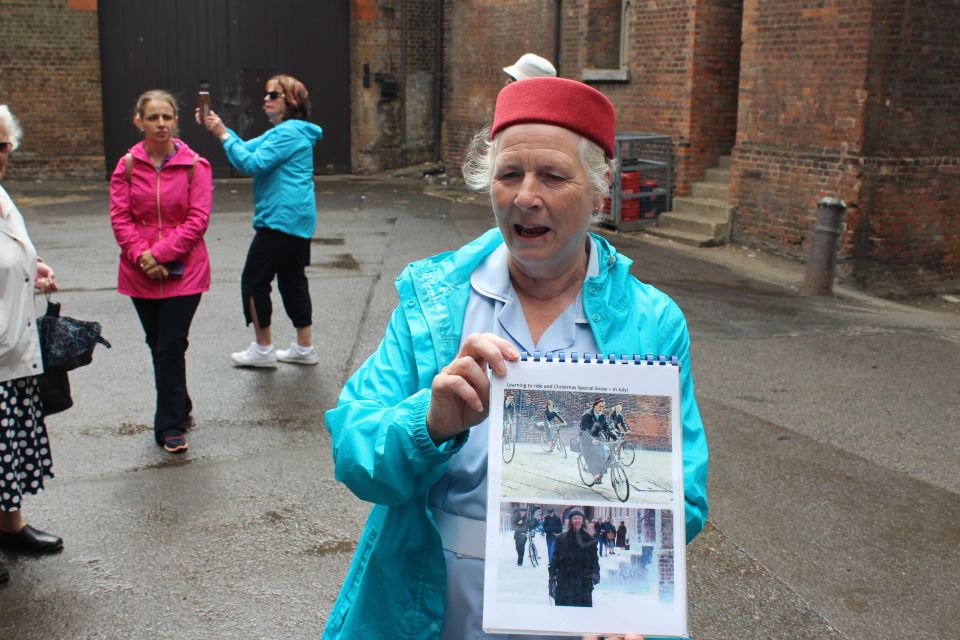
x=235, y=45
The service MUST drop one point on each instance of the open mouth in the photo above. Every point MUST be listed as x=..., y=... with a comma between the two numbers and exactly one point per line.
x=525, y=231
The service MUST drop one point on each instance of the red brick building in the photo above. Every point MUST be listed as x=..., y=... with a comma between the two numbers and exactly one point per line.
x=798, y=99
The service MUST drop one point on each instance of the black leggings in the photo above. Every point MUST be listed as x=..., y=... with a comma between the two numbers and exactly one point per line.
x=166, y=325
x=274, y=253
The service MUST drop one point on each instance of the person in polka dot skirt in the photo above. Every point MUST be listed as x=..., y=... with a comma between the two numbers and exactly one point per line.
x=25, y=462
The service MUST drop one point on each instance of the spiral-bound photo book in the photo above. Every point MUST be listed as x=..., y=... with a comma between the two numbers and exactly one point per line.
x=585, y=510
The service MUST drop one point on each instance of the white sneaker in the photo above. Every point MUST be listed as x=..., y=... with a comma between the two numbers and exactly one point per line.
x=252, y=356
x=296, y=355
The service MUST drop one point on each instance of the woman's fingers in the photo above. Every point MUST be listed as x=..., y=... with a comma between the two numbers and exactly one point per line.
x=490, y=348
x=459, y=392
x=459, y=387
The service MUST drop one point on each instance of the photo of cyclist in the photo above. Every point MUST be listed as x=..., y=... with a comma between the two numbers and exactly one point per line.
x=593, y=434
x=550, y=416
x=510, y=415
x=521, y=522
x=616, y=422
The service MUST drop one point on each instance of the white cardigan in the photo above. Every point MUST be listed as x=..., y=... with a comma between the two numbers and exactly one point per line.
x=19, y=342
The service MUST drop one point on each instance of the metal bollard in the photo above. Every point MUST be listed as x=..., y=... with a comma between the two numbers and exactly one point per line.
x=823, y=248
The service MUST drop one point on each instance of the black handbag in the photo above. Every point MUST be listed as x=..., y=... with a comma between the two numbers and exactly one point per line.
x=65, y=344
x=54, y=389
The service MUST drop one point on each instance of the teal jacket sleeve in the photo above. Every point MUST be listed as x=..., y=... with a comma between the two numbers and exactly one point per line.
x=266, y=152
x=675, y=340
x=381, y=448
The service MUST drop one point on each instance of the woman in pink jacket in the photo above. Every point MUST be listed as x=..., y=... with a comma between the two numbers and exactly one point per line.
x=160, y=195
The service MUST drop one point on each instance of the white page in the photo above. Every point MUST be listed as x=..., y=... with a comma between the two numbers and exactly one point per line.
x=641, y=589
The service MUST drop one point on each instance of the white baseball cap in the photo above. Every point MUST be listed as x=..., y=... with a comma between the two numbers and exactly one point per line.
x=530, y=65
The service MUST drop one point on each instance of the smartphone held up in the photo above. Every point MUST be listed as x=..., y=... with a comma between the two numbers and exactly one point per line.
x=203, y=100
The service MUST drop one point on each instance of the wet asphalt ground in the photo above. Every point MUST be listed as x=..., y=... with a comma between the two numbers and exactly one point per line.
x=834, y=429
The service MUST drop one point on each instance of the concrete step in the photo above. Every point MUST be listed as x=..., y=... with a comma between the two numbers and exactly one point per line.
x=710, y=191
x=723, y=162
x=718, y=175
x=683, y=237
x=717, y=209
x=717, y=230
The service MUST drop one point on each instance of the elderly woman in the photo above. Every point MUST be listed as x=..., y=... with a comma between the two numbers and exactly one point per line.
x=410, y=430
x=284, y=219
x=25, y=462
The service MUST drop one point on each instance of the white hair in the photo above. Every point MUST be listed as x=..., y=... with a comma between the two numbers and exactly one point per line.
x=478, y=164
x=9, y=122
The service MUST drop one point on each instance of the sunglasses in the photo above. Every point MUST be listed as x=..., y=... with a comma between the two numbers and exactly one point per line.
x=6, y=146
x=273, y=95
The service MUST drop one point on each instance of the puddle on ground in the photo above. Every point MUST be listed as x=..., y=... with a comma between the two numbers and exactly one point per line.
x=339, y=261
x=327, y=547
x=125, y=429
x=327, y=241
x=166, y=463
x=273, y=516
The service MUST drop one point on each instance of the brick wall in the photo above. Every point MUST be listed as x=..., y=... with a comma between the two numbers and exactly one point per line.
x=397, y=38
x=480, y=38
x=878, y=130
x=49, y=54
x=648, y=417
x=715, y=83
x=907, y=239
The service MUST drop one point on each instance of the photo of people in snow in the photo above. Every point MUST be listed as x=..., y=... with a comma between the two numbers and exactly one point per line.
x=570, y=555
x=566, y=445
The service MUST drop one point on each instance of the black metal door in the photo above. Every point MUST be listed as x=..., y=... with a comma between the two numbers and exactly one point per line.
x=235, y=45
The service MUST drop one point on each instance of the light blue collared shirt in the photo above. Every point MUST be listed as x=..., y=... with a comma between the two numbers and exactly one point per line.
x=493, y=307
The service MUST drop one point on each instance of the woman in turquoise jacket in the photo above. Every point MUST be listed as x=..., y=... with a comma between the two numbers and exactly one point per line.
x=409, y=430
x=284, y=218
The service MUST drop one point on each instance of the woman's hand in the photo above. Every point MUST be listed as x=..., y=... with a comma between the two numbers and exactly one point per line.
x=157, y=272
x=213, y=123
x=153, y=269
x=459, y=392
x=45, y=281
x=146, y=260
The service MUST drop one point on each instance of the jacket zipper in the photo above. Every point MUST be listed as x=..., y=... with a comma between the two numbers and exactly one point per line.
x=159, y=223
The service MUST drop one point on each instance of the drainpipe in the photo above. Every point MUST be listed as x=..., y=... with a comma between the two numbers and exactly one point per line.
x=823, y=248
x=403, y=84
x=557, y=29
x=437, y=79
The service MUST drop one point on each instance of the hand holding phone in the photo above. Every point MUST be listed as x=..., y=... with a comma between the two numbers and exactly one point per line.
x=203, y=100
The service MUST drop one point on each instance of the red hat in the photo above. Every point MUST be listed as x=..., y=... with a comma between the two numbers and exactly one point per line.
x=558, y=101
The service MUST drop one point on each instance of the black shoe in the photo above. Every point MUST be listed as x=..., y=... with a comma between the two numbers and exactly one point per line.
x=4, y=574
x=30, y=540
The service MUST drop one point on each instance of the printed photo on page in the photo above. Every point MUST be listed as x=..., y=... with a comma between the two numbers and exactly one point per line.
x=585, y=478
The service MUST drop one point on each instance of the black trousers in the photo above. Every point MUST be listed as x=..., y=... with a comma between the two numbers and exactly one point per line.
x=276, y=254
x=166, y=324
x=521, y=544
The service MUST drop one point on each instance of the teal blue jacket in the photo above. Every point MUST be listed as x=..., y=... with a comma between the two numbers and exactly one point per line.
x=281, y=162
x=396, y=585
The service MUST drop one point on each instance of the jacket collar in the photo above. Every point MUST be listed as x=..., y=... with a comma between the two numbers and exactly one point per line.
x=183, y=156
x=491, y=278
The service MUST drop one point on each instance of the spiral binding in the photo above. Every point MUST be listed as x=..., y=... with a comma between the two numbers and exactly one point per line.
x=599, y=358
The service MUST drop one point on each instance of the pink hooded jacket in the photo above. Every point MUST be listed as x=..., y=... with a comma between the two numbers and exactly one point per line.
x=164, y=211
